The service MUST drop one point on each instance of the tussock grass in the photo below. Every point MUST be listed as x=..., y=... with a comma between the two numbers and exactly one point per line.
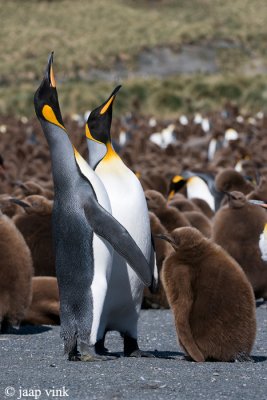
x=101, y=33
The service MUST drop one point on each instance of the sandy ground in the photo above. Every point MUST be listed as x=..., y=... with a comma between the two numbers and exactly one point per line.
x=33, y=366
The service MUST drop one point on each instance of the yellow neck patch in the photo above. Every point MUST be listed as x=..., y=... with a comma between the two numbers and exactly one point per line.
x=49, y=115
x=110, y=154
x=265, y=231
x=106, y=106
x=172, y=193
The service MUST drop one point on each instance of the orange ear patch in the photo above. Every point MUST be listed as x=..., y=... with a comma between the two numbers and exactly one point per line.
x=49, y=115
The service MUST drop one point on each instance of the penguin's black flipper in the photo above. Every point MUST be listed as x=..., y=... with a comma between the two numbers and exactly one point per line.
x=153, y=268
x=106, y=226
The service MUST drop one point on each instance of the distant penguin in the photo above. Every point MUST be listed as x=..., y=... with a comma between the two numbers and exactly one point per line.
x=237, y=228
x=260, y=192
x=36, y=227
x=230, y=180
x=44, y=307
x=180, y=202
x=15, y=275
x=199, y=221
x=128, y=204
x=196, y=187
x=211, y=299
x=170, y=217
x=203, y=206
x=83, y=261
x=263, y=244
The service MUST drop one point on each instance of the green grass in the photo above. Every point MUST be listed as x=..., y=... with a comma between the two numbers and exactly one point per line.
x=99, y=33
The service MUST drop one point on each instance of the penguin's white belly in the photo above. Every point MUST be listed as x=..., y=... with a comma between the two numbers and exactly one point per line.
x=263, y=247
x=125, y=290
x=102, y=251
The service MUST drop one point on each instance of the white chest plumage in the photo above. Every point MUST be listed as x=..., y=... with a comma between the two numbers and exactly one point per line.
x=263, y=246
x=129, y=207
x=103, y=251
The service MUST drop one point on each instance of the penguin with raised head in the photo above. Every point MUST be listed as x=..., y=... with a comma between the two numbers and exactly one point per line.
x=128, y=204
x=211, y=298
x=80, y=214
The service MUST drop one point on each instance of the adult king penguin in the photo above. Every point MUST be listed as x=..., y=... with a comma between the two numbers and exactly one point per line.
x=128, y=203
x=83, y=261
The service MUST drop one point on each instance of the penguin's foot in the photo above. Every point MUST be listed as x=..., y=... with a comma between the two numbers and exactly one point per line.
x=95, y=357
x=74, y=354
x=101, y=350
x=74, y=357
x=140, y=353
x=131, y=348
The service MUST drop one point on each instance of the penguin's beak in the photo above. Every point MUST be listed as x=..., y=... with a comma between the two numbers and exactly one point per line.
x=108, y=103
x=258, y=203
x=49, y=71
x=165, y=237
x=19, y=202
x=229, y=195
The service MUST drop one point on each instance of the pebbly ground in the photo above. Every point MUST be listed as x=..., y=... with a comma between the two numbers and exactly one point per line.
x=32, y=366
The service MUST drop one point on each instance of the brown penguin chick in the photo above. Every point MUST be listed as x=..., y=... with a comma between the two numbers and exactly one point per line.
x=29, y=188
x=180, y=202
x=204, y=207
x=162, y=249
x=211, y=299
x=170, y=217
x=8, y=207
x=44, y=308
x=15, y=274
x=199, y=221
x=36, y=227
x=237, y=228
x=230, y=180
x=260, y=192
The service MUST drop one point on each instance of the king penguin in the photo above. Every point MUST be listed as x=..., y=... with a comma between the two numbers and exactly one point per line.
x=81, y=213
x=128, y=203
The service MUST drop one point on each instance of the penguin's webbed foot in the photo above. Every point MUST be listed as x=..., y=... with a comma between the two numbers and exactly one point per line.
x=140, y=353
x=74, y=354
x=131, y=348
x=96, y=357
x=101, y=350
x=74, y=357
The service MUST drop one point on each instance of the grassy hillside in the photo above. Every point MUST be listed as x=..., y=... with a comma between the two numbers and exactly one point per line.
x=104, y=34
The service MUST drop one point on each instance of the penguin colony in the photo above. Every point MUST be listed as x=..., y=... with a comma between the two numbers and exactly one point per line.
x=196, y=184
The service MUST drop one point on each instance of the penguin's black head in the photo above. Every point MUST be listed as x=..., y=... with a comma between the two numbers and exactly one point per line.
x=46, y=99
x=177, y=183
x=99, y=121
